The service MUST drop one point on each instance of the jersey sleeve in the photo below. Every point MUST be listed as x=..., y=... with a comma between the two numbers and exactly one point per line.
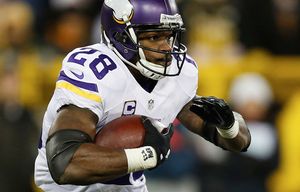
x=77, y=83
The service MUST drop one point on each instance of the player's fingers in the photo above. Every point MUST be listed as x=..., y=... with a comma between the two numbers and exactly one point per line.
x=198, y=109
x=170, y=131
x=144, y=118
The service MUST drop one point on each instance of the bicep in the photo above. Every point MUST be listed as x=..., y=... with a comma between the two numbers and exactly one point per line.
x=190, y=120
x=73, y=117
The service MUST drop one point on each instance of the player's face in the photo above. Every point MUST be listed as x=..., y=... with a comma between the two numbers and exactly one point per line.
x=159, y=41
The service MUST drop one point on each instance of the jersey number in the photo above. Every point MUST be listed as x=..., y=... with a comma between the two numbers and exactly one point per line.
x=106, y=63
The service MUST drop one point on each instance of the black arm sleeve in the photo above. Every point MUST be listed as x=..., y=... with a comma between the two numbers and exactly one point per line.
x=60, y=148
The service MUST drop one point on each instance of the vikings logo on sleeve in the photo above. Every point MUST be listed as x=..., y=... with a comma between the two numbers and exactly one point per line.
x=82, y=69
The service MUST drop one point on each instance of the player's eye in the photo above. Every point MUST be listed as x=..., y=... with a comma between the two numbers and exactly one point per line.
x=154, y=37
x=159, y=37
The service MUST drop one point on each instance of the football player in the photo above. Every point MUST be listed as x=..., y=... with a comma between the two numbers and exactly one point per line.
x=141, y=68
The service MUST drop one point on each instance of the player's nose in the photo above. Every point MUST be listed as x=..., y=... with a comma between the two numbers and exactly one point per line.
x=166, y=45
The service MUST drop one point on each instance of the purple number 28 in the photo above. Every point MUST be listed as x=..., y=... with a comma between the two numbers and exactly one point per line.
x=107, y=64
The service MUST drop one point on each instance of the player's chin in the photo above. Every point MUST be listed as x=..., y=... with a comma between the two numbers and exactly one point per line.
x=163, y=64
x=169, y=63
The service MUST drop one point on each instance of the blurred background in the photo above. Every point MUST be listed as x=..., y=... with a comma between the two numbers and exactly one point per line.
x=248, y=52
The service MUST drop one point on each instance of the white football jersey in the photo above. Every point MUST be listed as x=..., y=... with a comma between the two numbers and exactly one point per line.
x=95, y=78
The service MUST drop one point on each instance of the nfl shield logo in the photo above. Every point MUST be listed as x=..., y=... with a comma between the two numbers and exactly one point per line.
x=150, y=104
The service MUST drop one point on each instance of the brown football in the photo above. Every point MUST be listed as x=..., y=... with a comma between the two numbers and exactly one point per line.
x=122, y=133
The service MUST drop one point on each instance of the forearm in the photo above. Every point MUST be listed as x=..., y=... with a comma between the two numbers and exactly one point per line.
x=210, y=133
x=92, y=164
x=195, y=124
x=240, y=142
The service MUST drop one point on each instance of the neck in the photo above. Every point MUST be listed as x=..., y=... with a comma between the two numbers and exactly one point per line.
x=146, y=83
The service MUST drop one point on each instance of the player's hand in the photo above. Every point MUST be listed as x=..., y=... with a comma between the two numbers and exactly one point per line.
x=160, y=141
x=214, y=111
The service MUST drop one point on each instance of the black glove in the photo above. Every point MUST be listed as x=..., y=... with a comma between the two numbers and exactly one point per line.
x=160, y=142
x=213, y=111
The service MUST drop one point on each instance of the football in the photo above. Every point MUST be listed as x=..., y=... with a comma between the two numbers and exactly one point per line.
x=122, y=133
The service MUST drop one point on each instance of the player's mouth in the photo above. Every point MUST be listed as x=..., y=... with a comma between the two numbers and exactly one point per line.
x=164, y=61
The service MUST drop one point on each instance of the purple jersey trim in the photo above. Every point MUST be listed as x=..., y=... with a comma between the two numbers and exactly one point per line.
x=124, y=180
x=191, y=61
x=83, y=85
